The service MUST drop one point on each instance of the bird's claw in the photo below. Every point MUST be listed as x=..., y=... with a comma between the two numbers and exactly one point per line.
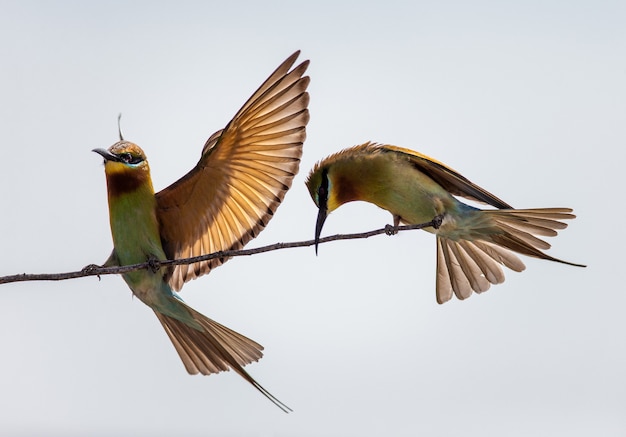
x=391, y=229
x=91, y=269
x=437, y=221
x=154, y=264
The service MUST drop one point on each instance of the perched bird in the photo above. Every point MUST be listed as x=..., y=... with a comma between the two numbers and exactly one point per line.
x=415, y=189
x=228, y=198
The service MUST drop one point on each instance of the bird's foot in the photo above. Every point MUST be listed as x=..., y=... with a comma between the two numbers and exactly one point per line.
x=391, y=229
x=154, y=264
x=437, y=221
x=91, y=269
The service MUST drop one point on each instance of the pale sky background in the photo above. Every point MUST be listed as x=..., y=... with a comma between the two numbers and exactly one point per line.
x=527, y=99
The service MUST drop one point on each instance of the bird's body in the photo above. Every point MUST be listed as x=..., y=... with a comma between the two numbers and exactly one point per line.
x=225, y=201
x=413, y=197
x=135, y=230
x=471, y=242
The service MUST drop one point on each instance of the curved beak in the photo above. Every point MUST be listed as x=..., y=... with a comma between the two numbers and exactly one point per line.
x=108, y=156
x=321, y=218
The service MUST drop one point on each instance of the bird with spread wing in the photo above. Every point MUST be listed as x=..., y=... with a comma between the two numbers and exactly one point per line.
x=221, y=204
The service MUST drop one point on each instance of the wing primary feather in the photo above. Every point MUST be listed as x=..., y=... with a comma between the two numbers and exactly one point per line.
x=242, y=176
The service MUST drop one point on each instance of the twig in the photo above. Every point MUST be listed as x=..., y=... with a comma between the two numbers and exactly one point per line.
x=94, y=270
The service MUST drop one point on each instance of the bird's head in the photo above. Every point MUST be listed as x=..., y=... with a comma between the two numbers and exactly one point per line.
x=125, y=166
x=122, y=156
x=330, y=185
x=340, y=178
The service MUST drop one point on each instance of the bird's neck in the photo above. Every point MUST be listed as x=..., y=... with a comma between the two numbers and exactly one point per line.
x=357, y=179
x=133, y=219
x=122, y=180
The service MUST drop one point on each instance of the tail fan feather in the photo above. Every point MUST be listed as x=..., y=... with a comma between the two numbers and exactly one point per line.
x=460, y=282
x=215, y=349
x=492, y=270
x=470, y=269
x=524, y=237
x=473, y=264
x=443, y=284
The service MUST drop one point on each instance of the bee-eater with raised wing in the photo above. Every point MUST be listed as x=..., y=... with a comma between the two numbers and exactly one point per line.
x=231, y=194
x=415, y=189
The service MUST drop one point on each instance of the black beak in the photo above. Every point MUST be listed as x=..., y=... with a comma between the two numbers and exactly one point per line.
x=108, y=156
x=321, y=218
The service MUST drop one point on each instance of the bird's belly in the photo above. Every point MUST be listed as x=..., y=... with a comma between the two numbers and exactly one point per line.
x=409, y=194
x=415, y=206
x=143, y=283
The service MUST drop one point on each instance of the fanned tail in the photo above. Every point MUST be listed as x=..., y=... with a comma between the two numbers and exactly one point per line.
x=214, y=349
x=472, y=265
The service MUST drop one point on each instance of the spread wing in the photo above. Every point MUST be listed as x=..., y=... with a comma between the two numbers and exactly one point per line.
x=241, y=178
x=448, y=178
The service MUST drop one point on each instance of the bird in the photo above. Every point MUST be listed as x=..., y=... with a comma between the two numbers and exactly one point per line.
x=229, y=197
x=472, y=243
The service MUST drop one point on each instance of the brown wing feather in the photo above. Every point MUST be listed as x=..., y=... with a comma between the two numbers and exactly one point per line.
x=241, y=178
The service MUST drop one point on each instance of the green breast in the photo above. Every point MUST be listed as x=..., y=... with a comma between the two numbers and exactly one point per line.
x=135, y=231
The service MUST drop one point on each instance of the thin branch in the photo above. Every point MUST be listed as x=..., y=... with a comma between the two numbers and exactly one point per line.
x=94, y=270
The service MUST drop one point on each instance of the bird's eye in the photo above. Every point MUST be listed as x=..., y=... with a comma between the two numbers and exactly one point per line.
x=322, y=197
x=321, y=192
x=128, y=158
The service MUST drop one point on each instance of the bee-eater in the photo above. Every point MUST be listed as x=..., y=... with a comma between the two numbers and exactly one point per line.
x=471, y=242
x=229, y=197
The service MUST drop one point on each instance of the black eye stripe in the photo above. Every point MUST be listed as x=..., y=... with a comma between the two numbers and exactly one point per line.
x=322, y=191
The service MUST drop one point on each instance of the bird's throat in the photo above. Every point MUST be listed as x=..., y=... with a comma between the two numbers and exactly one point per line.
x=123, y=180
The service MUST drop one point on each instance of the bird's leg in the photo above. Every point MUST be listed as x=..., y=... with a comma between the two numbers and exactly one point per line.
x=110, y=262
x=437, y=221
x=153, y=263
x=91, y=268
x=393, y=230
